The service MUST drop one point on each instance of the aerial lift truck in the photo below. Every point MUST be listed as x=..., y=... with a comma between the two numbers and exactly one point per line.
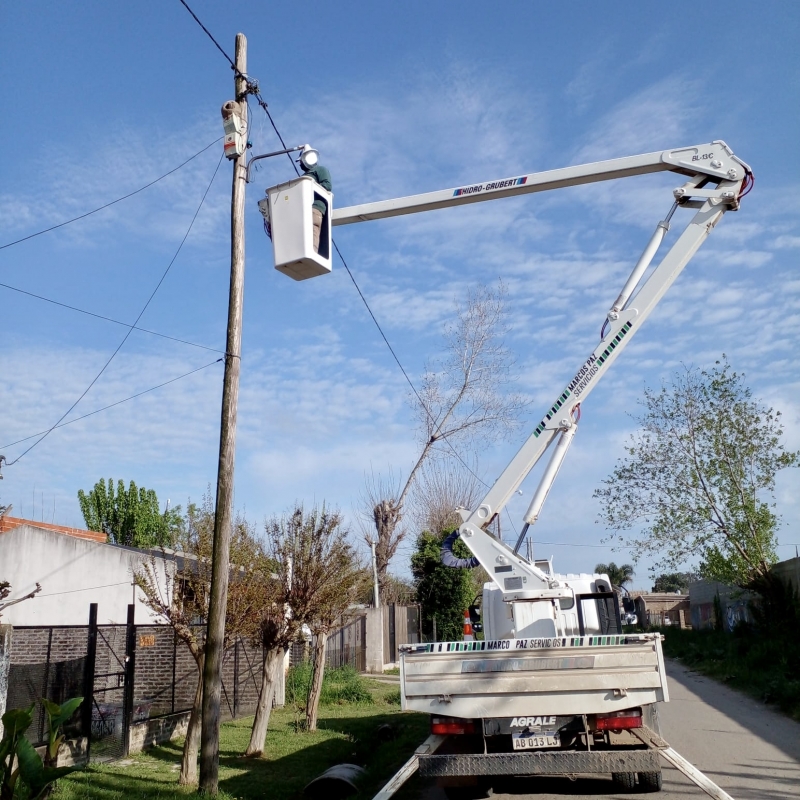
x=556, y=686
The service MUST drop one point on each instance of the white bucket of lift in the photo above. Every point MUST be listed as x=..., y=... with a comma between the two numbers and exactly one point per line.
x=292, y=228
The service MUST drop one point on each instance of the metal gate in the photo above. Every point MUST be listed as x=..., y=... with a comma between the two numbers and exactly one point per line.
x=111, y=660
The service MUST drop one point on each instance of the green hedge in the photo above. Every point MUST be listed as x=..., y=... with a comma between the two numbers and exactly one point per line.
x=764, y=664
x=340, y=685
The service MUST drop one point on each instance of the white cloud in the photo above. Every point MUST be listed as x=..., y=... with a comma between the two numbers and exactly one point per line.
x=786, y=242
x=321, y=400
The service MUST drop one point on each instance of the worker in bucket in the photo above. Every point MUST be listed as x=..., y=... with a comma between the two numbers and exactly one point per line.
x=310, y=166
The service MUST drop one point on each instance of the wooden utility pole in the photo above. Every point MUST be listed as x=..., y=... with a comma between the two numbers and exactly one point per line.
x=218, y=601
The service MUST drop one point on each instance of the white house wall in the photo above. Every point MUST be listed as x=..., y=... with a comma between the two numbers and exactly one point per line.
x=73, y=573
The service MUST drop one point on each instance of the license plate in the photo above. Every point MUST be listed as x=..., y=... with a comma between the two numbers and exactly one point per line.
x=528, y=741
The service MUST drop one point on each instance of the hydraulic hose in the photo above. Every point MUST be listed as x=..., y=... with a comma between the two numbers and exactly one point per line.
x=450, y=560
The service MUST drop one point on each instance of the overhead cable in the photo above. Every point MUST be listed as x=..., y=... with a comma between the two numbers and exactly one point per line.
x=252, y=88
x=87, y=589
x=125, y=338
x=113, y=202
x=216, y=43
x=109, y=319
x=118, y=403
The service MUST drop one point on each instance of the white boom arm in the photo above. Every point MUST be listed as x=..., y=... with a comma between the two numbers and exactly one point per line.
x=713, y=164
x=715, y=160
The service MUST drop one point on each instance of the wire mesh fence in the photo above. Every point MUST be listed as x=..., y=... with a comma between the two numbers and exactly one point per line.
x=48, y=662
x=128, y=675
x=132, y=674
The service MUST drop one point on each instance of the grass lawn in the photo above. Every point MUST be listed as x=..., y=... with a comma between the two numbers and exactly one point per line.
x=292, y=758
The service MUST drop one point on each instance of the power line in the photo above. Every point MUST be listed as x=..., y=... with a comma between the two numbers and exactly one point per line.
x=252, y=84
x=109, y=319
x=571, y=544
x=113, y=202
x=118, y=403
x=125, y=338
x=444, y=439
x=216, y=43
x=402, y=369
x=252, y=88
x=87, y=589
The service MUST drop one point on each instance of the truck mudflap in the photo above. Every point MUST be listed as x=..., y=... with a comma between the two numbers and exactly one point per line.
x=562, y=762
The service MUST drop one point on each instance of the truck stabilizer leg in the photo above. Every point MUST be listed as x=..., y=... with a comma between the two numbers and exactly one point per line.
x=430, y=745
x=694, y=774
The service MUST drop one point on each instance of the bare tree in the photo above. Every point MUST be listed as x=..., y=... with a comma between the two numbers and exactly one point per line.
x=462, y=397
x=442, y=486
x=325, y=580
x=345, y=579
x=180, y=597
x=5, y=591
x=278, y=625
x=383, y=511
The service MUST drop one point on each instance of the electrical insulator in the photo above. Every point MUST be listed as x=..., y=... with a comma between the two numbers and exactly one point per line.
x=235, y=130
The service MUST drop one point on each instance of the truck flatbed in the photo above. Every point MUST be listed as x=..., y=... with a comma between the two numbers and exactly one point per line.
x=533, y=677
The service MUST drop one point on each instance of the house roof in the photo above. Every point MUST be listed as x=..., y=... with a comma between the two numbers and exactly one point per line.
x=9, y=523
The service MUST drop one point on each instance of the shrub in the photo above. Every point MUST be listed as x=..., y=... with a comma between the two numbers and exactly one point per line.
x=763, y=663
x=340, y=685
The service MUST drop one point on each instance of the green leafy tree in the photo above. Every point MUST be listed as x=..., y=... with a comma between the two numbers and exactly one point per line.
x=674, y=582
x=443, y=592
x=618, y=575
x=699, y=477
x=130, y=517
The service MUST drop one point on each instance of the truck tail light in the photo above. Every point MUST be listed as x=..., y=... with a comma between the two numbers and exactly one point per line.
x=447, y=726
x=620, y=720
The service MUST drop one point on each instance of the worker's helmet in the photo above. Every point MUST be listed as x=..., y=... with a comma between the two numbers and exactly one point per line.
x=309, y=158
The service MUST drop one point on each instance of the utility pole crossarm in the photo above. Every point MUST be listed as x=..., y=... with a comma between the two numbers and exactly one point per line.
x=715, y=159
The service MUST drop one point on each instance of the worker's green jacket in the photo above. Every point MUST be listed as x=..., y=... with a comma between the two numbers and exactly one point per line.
x=321, y=175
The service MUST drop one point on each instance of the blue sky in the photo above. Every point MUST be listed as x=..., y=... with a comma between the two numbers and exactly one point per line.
x=399, y=98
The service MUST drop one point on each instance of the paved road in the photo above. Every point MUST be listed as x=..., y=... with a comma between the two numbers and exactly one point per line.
x=748, y=750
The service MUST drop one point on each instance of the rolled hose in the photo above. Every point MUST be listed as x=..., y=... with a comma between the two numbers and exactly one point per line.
x=450, y=560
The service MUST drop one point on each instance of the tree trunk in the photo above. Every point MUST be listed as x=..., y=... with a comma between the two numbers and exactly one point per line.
x=387, y=515
x=269, y=676
x=315, y=690
x=188, y=776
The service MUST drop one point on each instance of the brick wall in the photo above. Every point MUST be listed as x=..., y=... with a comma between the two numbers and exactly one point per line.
x=165, y=675
x=158, y=649
x=155, y=731
x=166, y=672
x=240, y=695
x=30, y=645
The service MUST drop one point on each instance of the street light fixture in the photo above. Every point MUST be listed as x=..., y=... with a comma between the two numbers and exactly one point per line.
x=309, y=157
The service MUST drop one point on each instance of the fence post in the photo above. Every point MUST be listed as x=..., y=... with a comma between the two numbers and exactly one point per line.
x=130, y=668
x=88, y=678
x=236, y=678
x=6, y=632
x=46, y=680
x=174, y=668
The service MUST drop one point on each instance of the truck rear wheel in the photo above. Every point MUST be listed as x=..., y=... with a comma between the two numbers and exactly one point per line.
x=625, y=780
x=650, y=781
